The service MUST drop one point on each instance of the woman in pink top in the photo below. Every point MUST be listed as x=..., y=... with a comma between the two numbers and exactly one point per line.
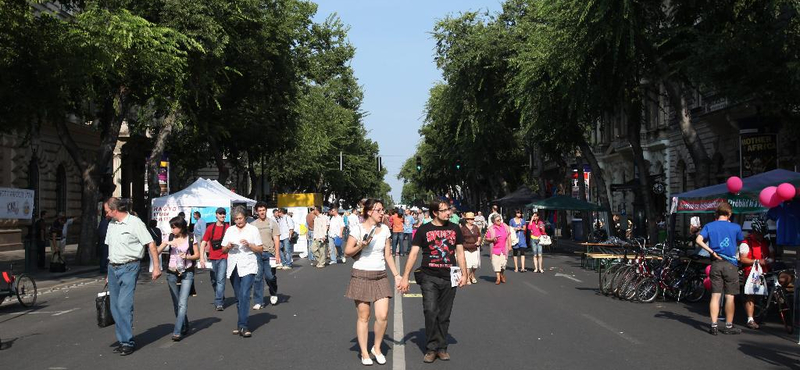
x=536, y=227
x=498, y=235
x=180, y=272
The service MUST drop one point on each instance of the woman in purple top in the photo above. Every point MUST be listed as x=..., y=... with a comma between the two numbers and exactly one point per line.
x=180, y=272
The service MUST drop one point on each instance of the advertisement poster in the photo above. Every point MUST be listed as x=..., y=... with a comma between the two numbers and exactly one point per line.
x=16, y=203
x=759, y=153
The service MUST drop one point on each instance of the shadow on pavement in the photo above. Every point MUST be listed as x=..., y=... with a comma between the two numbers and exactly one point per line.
x=786, y=356
x=153, y=334
x=702, y=326
x=418, y=338
x=202, y=324
x=259, y=320
x=12, y=309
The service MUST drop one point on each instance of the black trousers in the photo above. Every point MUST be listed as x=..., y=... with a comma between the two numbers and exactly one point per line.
x=41, y=255
x=437, y=303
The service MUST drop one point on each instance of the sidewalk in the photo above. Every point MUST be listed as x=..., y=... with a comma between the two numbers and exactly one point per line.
x=46, y=280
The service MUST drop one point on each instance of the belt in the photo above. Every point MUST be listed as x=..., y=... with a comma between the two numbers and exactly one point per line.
x=123, y=263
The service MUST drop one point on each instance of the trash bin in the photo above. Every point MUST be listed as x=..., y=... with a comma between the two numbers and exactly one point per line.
x=577, y=230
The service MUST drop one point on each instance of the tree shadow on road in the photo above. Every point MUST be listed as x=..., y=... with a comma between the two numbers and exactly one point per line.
x=786, y=356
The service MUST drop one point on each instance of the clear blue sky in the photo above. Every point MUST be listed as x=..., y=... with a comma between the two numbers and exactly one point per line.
x=394, y=65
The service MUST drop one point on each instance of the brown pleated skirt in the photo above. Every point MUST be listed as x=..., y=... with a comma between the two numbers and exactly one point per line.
x=368, y=286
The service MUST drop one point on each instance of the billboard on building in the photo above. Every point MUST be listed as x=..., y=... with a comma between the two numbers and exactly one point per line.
x=759, y=153
x=16, y=203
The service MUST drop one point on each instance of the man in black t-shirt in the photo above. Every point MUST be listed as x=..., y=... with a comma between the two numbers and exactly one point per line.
x=441, y=243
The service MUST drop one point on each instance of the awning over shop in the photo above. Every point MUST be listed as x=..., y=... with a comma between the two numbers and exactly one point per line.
x=562, y=202
x=706, y=200
x=521, y=196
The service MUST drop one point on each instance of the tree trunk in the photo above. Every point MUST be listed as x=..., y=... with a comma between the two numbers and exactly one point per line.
x=157, y=153
x=598, y=178
x=251, y=171
x=700, y=158
x=634, y=115
x=219, y=160
x=115, y=112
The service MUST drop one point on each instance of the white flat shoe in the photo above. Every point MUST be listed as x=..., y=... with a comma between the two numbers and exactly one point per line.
x=381, y=359
x=366, y=361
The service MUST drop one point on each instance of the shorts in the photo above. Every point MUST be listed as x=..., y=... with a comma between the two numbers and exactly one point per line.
x=499, y=262
x=536, y=248
x=724, y=278
x=473, y=258
x=518, y=252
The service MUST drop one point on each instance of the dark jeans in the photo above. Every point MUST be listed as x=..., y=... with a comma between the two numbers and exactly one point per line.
x=265, y=273
x=437, y=303
x=41, y=255
x=397, y=243
x=242, y=285
x=407, y=241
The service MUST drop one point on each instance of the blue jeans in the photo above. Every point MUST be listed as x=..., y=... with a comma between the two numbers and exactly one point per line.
x=180, y=298
x=397, y=243
x=407, y=240
x=265, y=272
x=121, y=286
x=336, y=252
x=286, y=252
x=218, y=270
x=242, y=285
x=310, y=239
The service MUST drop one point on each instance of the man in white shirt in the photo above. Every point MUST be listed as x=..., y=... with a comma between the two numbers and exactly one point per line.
x=335, y=230
x=242, y=242
x=286, y=225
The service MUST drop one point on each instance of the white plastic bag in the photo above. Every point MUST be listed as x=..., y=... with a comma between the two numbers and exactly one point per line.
x=755, y=284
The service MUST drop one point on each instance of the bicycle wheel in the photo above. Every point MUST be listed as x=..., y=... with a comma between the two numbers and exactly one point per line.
x=785, y=311
x=692, y=290
x=647, y=290
x=761, y=306
x=26, y=290
x=628, y=292
x=620, y=277
x=608, y=277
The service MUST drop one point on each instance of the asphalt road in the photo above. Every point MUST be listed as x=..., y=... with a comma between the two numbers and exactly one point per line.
x=555, y=320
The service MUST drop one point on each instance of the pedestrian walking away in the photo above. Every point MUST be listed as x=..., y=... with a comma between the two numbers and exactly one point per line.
x=335, y=232
x=241, y=243
x=212, y=242
x=499, y=234
x=442, y=246
x=472, y=246
x=126, y=237
x=722, y=237
x=537, y=230
x=369, y=245
x=408, y=230
x=180, y=272
x=518, y=249
x=269, y=231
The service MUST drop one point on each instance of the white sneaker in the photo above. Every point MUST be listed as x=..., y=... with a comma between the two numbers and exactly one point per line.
x=381, y=359
x=257, y=306
x=273, y=300
x=344, y=259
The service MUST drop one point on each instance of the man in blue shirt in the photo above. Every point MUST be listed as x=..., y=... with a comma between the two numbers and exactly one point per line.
x=721, y=239
x=408, y=229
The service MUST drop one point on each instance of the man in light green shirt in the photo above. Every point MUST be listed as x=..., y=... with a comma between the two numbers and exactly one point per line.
x=126, y=237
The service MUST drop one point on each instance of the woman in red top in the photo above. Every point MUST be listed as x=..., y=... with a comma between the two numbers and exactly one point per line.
x=754, y=248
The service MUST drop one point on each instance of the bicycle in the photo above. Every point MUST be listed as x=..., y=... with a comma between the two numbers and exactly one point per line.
x=672, y=278
x=22, y=286
x=778, y=295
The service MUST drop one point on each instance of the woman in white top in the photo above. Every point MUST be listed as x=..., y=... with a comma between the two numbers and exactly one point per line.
x=241, y=243
x=370, y=245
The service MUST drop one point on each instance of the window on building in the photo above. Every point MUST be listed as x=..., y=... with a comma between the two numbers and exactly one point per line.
x=61, y=189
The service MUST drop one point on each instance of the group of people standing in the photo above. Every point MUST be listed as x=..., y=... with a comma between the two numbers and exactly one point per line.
x=517, y=237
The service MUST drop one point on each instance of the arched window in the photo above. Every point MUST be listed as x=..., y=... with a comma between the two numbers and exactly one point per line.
x=61, y=189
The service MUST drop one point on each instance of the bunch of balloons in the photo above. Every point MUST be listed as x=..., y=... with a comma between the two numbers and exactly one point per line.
x=772, y=196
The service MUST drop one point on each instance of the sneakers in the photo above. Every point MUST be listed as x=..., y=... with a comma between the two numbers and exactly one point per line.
x=273, y=300
x=713, y=330
x=752, y=325
x=731, y=330
x=257, y=307
x=429, y=357
x=442, y=355
x=219, y=308
x=344, y=260
x=125, y=350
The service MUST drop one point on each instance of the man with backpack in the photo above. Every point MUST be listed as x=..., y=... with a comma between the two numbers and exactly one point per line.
x=212, y=242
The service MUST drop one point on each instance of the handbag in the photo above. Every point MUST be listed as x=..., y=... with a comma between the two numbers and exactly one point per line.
x=57, y=263
x=512, y=234
x=103, y=304
x=545, y=240
x=755, y=284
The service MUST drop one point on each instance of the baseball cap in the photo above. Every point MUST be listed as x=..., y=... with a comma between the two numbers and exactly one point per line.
x=221, y=211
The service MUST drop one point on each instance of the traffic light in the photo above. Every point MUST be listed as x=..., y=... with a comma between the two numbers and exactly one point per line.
x=379, y=162
x=419, y=164
x=458, y=164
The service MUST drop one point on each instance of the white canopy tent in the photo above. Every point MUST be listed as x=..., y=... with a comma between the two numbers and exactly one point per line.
x=201, y=194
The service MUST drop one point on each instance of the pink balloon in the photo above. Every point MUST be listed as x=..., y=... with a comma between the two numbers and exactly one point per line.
x=734, y=184
x=767, y=195
x=786, y=191
x=707, y=283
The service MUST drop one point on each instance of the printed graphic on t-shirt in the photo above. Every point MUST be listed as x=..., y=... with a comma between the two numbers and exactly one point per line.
x=442, y=245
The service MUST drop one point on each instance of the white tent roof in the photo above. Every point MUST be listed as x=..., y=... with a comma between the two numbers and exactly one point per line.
x=202, y=193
